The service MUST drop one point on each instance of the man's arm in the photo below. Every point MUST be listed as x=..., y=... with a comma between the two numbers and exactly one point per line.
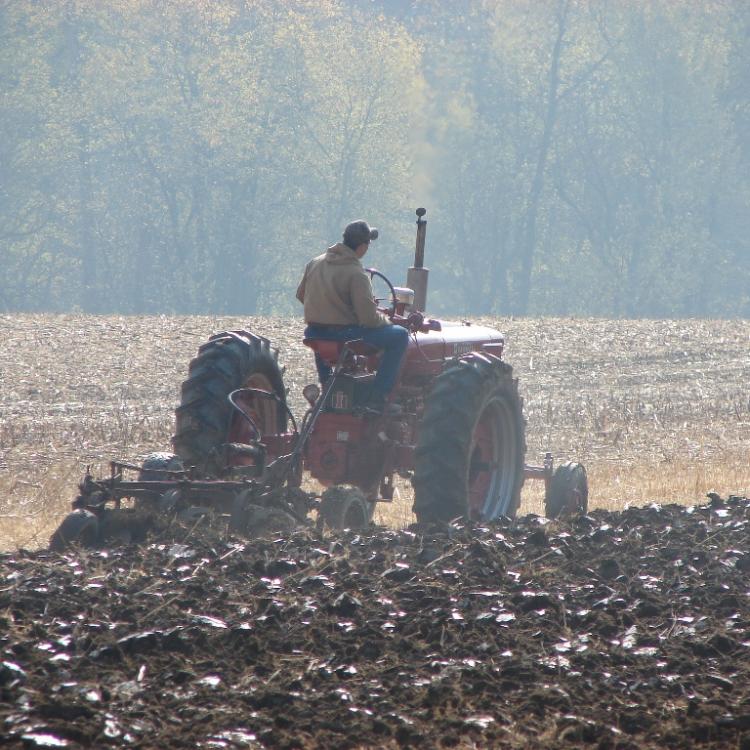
x=364, y=305
x=301, y=288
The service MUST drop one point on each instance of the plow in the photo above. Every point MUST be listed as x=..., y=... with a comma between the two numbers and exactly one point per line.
x=454, y=428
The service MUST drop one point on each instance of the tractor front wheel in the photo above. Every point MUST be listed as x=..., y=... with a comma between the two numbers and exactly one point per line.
x=568, y=491
x=470, y=453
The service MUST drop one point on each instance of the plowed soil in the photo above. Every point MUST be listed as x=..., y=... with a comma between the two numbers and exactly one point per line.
x=616, y=630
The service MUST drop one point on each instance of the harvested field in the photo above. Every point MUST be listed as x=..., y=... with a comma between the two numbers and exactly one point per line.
x=657, y=410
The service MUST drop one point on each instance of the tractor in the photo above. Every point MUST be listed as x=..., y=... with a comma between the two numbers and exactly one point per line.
x=457, y=432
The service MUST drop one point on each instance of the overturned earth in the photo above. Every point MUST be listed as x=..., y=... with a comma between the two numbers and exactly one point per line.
x=614, y=630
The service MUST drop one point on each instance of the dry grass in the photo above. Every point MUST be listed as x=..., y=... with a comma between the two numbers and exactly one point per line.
x=658, y=411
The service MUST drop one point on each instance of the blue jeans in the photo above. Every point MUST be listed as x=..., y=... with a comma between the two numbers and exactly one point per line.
x=392, y=339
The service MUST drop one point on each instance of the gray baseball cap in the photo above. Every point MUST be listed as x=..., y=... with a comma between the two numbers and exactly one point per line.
x=357, y=232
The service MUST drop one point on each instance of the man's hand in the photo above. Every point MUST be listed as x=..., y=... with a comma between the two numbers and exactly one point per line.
x=415, y=321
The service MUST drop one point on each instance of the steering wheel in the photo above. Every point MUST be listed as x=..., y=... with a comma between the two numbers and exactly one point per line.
x=391, y=311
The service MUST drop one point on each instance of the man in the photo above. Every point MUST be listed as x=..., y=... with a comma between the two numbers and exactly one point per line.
x=337, y=294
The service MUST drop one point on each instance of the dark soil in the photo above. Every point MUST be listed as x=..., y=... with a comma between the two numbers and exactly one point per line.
x=615, y=630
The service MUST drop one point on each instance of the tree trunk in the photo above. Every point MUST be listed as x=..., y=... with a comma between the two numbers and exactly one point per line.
x=90, y=293
x=528, y=237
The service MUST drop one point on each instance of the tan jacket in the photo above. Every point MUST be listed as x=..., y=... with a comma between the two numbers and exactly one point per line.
x=336, y=290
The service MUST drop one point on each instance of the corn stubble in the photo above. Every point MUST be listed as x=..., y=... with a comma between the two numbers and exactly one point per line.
x=658, y=411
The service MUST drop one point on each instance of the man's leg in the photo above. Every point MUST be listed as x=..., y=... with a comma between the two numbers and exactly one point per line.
x=326, y=333
x=393, y=340
x=324, y=370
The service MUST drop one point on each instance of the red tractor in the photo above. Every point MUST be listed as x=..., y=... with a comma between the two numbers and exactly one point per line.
x=457, y=432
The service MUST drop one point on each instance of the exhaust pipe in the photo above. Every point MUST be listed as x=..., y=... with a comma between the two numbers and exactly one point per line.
x=416, y=276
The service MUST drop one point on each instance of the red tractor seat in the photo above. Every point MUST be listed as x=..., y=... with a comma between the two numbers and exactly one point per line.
x=330, y=351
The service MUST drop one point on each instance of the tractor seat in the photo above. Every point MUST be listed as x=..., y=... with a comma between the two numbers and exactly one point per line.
x=330, y=351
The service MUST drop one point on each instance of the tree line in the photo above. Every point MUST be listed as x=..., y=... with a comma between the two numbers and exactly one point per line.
x=577, y=157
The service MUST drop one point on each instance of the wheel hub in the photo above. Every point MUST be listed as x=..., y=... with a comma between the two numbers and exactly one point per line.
x=492, y=459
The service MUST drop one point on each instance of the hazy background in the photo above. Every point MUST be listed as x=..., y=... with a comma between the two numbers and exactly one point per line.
x=574, y=157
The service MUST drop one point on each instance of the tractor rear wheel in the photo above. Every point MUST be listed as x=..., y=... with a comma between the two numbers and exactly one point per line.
x=471, y=449
x=205, y=420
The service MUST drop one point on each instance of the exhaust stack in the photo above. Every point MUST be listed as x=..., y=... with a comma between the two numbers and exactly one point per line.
x=416, y=276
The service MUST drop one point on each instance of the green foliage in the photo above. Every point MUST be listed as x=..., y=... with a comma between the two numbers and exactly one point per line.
x=575, y=157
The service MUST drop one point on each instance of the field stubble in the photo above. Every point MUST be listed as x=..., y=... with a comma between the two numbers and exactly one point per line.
x=658, y=411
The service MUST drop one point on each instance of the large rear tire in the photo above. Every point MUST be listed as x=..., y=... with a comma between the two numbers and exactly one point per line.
x=205, y=419
x=471, y=449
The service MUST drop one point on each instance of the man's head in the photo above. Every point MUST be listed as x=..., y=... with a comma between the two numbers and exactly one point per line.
x=358, y=235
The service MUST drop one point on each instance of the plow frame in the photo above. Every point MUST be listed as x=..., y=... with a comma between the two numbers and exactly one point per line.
x=545, y=471
x=266, y=484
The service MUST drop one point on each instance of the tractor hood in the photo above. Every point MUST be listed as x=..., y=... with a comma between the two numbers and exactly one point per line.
x=427, y=352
